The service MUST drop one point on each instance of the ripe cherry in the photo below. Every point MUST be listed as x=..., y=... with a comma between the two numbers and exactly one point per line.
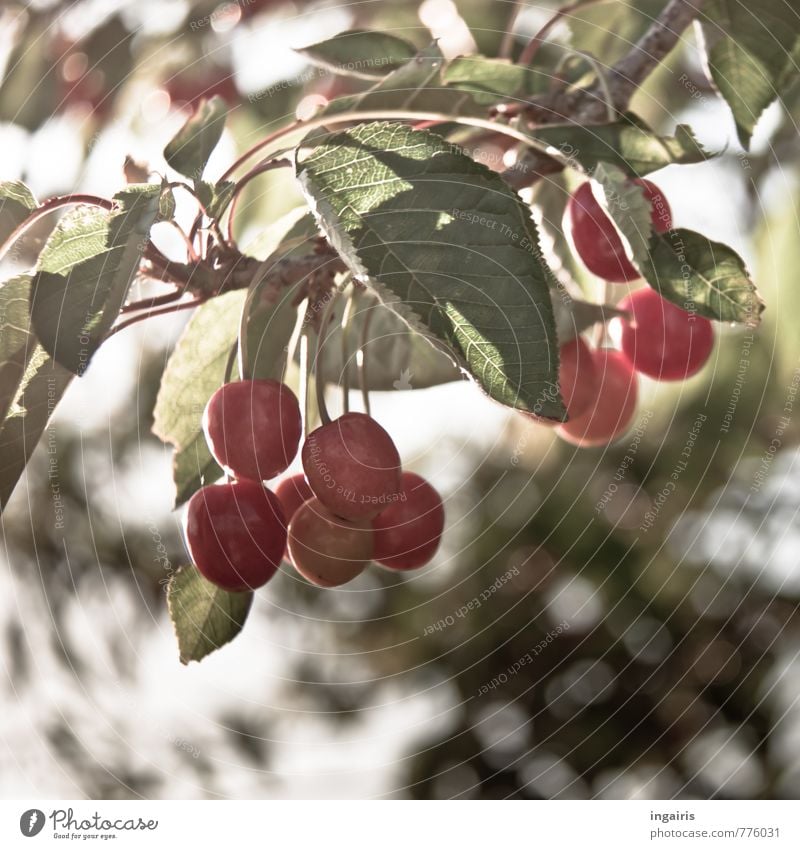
x=576, y=378
x=597, y=241
x=253, y=427
x=661, y=340
x=326, y=550
x=614, y=405
x=292, y=492
x=352, y=466
x=236, y=534
x=407, y=533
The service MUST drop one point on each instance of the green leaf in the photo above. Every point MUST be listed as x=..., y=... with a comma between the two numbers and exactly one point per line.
x=16, y=204
x=749, y=54
x=574, y=316
x=215, y=197
x=193, y=467
x=40, y=390
x=629, y=145
x=195, y=370
x=286, y=236
x=84, y=272
x=490, y=80
x=702, y=276
x=204, y=616
x=397, y=358
x=416, y=86
x=189, y=151
x=627, y=207
x=360, y=53
x=17, y=343
x=448, y=245
x=271, y=315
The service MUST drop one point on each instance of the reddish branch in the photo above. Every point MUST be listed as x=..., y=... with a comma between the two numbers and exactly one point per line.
x=588, y=105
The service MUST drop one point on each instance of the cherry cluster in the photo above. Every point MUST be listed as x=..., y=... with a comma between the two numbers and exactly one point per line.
x=656, y=338
x=354, y=503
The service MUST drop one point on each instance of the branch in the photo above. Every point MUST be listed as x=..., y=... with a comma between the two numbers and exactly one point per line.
x=588, y=105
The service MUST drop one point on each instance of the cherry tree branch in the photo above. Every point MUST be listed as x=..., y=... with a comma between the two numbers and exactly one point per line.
x=588, y=105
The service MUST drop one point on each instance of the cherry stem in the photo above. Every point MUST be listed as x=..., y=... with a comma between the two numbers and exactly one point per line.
x=256, y=171
x=151, y=303
x=305, y=370
x=507, y=44
x=347, y=315
x=319, y=379
x=390, y=114
x=156, y=312
x=362, y=359
x=531, y=48
x=601, y=329
x=191, y=253
x=229, y=364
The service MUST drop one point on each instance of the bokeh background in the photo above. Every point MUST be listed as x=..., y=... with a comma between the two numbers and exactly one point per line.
x=661, y=624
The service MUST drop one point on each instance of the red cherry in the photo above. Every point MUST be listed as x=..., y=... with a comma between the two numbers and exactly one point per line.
x=407, y=533
x=577, y=376
x=352, y=466
x=188, y=89
x=614, y=406
x=326, y=550
x=236, y=534
x=597, y=241
x=253, y=427
x=292, y=492
x=661, y=340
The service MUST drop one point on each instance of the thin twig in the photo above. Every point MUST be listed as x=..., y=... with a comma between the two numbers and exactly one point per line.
x=153, y=313
x=531, y=48
x=363, y=380
x=152, y=303
x=507, y=44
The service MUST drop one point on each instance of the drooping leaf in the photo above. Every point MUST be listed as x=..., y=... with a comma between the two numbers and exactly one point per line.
x=283, y=237
x=416, y=86
x=628, y=145
x=215, y=197
x=16, y=203
x=396, y=357
x=204, y=616
x=360, y=53
x=627, y=207
x=575, y=316
x=84, y=272
x=193, y=467
x=40, y=390
x=17, y=343
x=448, y=245
x=492, y=79
x=189, y=151
x=702, y=276
x=750, y=54
x=195, y=370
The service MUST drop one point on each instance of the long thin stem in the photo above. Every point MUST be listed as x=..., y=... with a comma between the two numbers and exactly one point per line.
x=164, y=311
x=531, y=48
x=363, y=379
x=152, y=303
x=507, y=44
x=389, y=114
x=254, y=172
x=229, y=363
x=347, y=315
x=319, y=378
